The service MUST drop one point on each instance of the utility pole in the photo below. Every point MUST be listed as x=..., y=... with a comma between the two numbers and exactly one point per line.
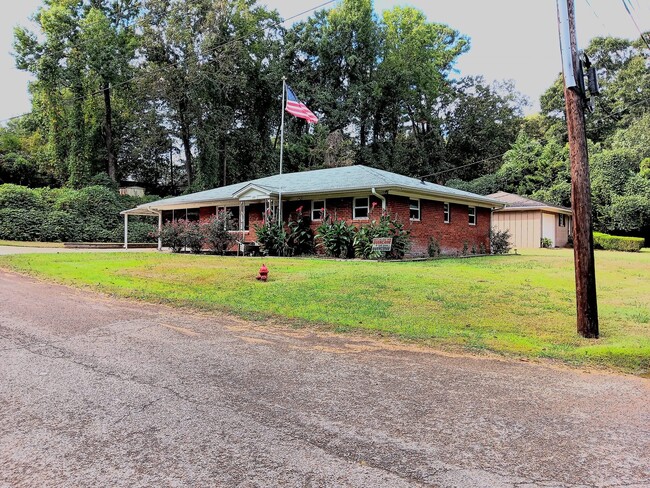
x=583, y=241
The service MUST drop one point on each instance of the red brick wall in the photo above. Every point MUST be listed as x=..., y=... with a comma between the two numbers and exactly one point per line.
x=451, y=236
x=206, y=212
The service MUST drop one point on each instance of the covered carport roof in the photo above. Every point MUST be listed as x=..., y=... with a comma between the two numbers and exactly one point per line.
x=141, y=210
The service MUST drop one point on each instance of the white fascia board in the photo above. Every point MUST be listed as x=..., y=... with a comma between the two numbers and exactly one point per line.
x=207, y=203
x=444, y=197
x=537, y=209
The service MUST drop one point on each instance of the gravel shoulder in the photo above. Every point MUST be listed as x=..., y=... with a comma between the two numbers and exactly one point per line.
x=96, y=391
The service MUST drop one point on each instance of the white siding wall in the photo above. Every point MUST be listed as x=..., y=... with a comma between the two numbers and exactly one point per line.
x=549, y=225
x=525, y=227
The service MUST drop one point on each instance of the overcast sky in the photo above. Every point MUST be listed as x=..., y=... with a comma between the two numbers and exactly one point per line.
x=510, y=39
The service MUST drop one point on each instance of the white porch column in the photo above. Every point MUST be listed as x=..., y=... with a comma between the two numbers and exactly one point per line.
x=126, y=231
x=160, y=230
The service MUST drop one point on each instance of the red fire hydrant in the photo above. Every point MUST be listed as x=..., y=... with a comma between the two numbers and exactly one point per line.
x=264, y=273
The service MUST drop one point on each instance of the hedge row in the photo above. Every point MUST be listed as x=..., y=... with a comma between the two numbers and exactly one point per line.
x=617, y=243
x=91, y=214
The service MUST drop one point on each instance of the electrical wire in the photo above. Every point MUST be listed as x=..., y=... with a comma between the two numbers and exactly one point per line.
x=611, y=115
x=635, y=23
x=598, y=17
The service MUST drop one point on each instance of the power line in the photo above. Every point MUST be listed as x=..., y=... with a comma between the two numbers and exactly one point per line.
x=463, y=166
x=598, y=17
x=170, y=65
x=635, y=23
x=608, y=114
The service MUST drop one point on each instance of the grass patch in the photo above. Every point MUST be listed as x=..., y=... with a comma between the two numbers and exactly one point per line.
x=513, y=305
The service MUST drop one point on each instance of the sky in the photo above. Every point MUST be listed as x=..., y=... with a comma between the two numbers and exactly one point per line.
x=510, y=39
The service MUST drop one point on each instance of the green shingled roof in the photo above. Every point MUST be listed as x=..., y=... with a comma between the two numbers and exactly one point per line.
x=346, y=179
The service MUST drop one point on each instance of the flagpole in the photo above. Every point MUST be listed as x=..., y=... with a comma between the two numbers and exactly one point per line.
x=284, y=91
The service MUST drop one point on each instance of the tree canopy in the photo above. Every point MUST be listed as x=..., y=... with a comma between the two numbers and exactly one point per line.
x=184, y=95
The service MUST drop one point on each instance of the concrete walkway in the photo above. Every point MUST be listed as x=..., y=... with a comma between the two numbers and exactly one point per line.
x=102, y=392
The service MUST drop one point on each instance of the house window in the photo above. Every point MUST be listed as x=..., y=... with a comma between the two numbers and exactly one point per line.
x=317, y=209
x=414, y=209
x=360, y=208
x=446, y=212
x=561, y=220
x=472, y=215
x=192, y=215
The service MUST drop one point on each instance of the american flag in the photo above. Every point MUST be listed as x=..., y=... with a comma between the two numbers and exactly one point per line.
x=299, y=109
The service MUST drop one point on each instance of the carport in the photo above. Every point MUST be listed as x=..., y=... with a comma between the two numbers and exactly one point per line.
x=142, y=212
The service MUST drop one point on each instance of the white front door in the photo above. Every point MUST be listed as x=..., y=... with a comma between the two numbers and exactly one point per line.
x=548, y=227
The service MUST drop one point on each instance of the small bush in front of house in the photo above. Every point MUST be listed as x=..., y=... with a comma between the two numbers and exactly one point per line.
x=617, y=243
x=362, y=242
x=545, y=242
x=272, y=237
x=193, y=236
x=172, y=235
x=336, y=237
x=500, y=241
x=216, y=232
x=433, y=248
x=300, y=237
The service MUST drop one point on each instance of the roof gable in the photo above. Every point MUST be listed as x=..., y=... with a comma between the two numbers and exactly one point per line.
x=512, y=200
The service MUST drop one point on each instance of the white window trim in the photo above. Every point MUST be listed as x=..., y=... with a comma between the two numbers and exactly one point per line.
x=354, y=208
x=419, y=210
x=473, y=213
x=314, y=209
x=446, y=219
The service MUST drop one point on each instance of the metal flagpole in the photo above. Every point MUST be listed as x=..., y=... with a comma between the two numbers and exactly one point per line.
x=284, y=91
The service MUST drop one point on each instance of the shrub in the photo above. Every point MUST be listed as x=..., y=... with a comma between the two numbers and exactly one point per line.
x=362, y=242
x=20, y=197
x=64, y=214
x=216, y=232
x=300, y=238
x=617, y=243
x=193, y=236
x=342, y=240
x=500, y=241
x=545, y=242
x=433, y=249
x=60, y=226
x=272, y=237
x=172, y=235
x=336, y=238
x=18, y=224
x=139, y=231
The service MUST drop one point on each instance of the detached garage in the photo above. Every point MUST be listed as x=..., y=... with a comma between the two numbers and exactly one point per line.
x=530, y=221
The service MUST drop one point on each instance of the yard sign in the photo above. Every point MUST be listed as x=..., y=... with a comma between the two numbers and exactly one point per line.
x=382, y=243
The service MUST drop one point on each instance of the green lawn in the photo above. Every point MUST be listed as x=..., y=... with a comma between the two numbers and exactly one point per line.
x=513, y=305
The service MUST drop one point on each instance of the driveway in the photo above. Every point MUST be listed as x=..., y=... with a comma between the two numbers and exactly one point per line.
x=102, y=392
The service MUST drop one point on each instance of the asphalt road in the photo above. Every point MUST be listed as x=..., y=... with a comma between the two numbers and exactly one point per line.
x=101, y=392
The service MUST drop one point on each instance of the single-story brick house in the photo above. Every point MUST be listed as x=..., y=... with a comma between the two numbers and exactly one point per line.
x=529, y=221
x=355, y=194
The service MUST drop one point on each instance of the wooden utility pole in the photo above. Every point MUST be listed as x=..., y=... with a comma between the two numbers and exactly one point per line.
x=583, y=241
